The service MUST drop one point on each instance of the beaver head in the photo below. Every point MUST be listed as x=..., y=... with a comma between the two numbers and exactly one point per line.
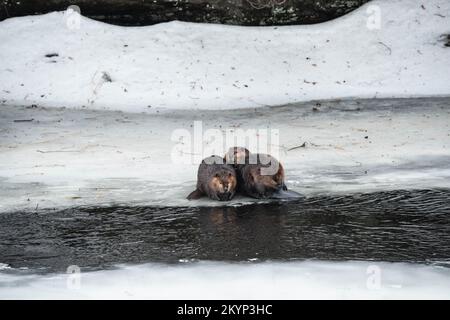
x=262, y=185
x=223, y=184
x=264, y=182
x=237, y=156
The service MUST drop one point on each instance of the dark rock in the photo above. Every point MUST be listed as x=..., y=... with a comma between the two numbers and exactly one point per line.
x=146, y=12
x=106, y=77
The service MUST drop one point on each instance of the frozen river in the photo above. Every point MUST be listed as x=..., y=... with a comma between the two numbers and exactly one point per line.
x=54, y=158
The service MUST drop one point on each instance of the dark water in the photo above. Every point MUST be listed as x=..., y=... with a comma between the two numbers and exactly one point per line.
x=398, y=226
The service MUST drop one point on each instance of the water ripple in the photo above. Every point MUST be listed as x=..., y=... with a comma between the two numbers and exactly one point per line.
x=397, y=226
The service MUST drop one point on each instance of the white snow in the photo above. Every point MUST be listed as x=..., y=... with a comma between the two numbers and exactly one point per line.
x=121, y=151
x=213, y=280
x=188, y=66
x=3, y=266
x=78, y=157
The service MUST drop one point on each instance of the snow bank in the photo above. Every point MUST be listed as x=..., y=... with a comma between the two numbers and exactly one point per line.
x=207, y=280
x=68, y=158
x=188, y=66
x=71, y=157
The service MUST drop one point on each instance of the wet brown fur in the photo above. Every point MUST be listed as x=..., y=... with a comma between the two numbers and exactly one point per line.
x=251, y=181
x=215, y=179
x=238, y=157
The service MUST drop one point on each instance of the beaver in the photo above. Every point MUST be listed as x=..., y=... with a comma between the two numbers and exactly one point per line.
x=258, y=175
x=215, y=179
x=238, y=157
x=263, y=176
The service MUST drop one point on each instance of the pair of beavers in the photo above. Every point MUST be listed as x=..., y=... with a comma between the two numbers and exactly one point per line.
x=239, y=171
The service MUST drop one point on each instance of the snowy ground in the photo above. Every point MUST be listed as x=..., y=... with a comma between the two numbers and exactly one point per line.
x=70, y=157
x=154, y=78
x=187, y=66
x=294, y=280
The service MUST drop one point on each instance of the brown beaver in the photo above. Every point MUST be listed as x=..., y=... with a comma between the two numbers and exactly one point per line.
x=215, y=179
x=238, y=157
x=258, y=175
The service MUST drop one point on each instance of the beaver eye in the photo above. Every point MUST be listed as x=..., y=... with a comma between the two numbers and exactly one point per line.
x=217, y=175
x=230, y=175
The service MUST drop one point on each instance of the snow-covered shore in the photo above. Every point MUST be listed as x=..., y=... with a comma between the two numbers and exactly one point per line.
x=134, y=87
x=66, y=157
x=294, y=280
x=188, y=66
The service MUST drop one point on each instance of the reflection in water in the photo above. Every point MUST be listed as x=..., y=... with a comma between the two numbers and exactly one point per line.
x=409, y=226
